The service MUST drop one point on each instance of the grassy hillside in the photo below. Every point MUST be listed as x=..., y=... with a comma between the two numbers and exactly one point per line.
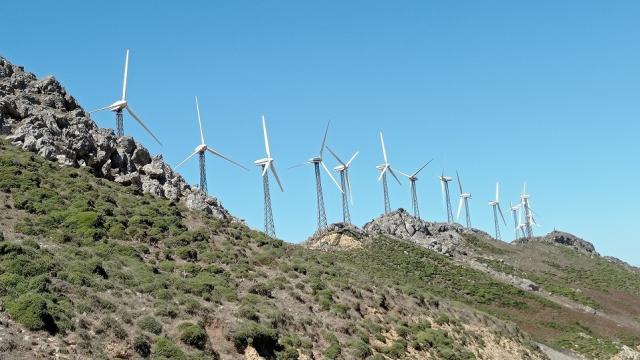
x=92, y=269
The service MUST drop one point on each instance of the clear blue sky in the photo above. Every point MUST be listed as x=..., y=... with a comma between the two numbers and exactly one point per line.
x=544, y=91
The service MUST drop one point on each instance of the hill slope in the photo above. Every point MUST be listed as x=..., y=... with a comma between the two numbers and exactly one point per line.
x=92, y=266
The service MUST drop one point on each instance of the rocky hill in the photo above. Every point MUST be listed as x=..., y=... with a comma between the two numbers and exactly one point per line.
x=139, y=265
x=39, y=116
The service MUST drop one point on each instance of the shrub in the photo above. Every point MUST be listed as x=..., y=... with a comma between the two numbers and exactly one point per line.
x=142, y=346
x=255, y=334
x=150, y=324
x=360, y=349
x=442, y=319
x=166, y=349
x=31, y=311
x=193, y=335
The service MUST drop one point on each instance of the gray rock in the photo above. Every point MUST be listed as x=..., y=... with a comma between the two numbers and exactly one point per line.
x=563, y=239
x=444, y=238
x=41, y=117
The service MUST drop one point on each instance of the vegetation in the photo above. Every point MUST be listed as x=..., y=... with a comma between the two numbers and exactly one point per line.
x=107, y=263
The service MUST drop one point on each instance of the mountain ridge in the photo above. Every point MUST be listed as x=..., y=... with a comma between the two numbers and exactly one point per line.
x=139, y=264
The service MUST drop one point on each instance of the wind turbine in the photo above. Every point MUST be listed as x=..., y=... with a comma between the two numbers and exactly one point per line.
x=464, y=200
x=446, y=198
x=267, y=164
x=122, y=104
x=495, y=204
x=201, y=150
x=316, y=161
x=515, y=211
x=384, y=168
x=529, y=220
x=414, y=196
x=345, y=184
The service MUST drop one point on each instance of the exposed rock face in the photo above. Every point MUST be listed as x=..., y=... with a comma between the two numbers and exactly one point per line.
x=444, y=238
x=337, y=236
x=40, y=116
x=564, y=239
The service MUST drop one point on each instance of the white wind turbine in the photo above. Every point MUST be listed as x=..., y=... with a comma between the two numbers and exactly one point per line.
x=529, y=220
x=343, y=169
x=464, y=201
x=267, y=164
x=317, y=161
x=122, y=104
x=515, y=211
x=414, y=195
x=446, y=196
x=495, y=204
x=384, y=168
x=201, y=150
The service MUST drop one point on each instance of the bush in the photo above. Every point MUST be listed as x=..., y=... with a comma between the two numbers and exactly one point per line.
x=193, y=335
x=150, y=324
x=252, y=333
x=360, y=349
x=142, y=346
x=166, y=349
x=31, y=311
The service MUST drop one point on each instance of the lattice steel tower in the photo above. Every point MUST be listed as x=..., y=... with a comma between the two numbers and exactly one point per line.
x=346, y=216
x=119, y=123
x=266, y=164
x=203, y=173
x=446, y=197
x=322, y=216
x=269, y=227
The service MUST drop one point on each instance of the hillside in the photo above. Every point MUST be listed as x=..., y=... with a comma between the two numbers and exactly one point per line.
x=94, y=266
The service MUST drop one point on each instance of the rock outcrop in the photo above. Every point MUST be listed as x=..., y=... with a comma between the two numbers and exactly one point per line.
x=338, y=236
x=441, y=237
x=563, y=239
x=38, y=115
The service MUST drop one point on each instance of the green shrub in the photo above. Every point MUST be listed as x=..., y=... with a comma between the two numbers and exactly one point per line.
x=442, y=319
x=165, y=349
x=31, y=311
x=150, y=324
x=253, y=333
x=193, y=335
x=360, y=349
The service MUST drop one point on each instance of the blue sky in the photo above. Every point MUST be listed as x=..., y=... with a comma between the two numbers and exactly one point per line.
x=545, y=92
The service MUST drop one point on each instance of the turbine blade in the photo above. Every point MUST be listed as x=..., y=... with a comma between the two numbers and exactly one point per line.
x=497, y=192
x=502, y=215
x=407, y=175
x=217, y=153
x=460, y=203
x=331, y=176
x=142, y=124
x=346, y=174
x=265, y=168
x=185, y=160
x=459, y=182
x=297, y=166
x=394, y=176
x=352, y=158
x=384, y=150
x=275, y=174
x=423, y=166
x=444, y=200
x=126, y=70
x=199, y=121
x=324, y=139
x=266, y=137
x=336, y=156
x=384, y=170
x=101, y=109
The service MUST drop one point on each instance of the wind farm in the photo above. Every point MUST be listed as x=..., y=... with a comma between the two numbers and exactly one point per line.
x=334, y=181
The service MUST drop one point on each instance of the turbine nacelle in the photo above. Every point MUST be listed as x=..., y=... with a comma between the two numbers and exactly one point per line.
x=200, y=149
x=118, y=105
x=263, y=161
x=446, y=178
x=465, y=195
